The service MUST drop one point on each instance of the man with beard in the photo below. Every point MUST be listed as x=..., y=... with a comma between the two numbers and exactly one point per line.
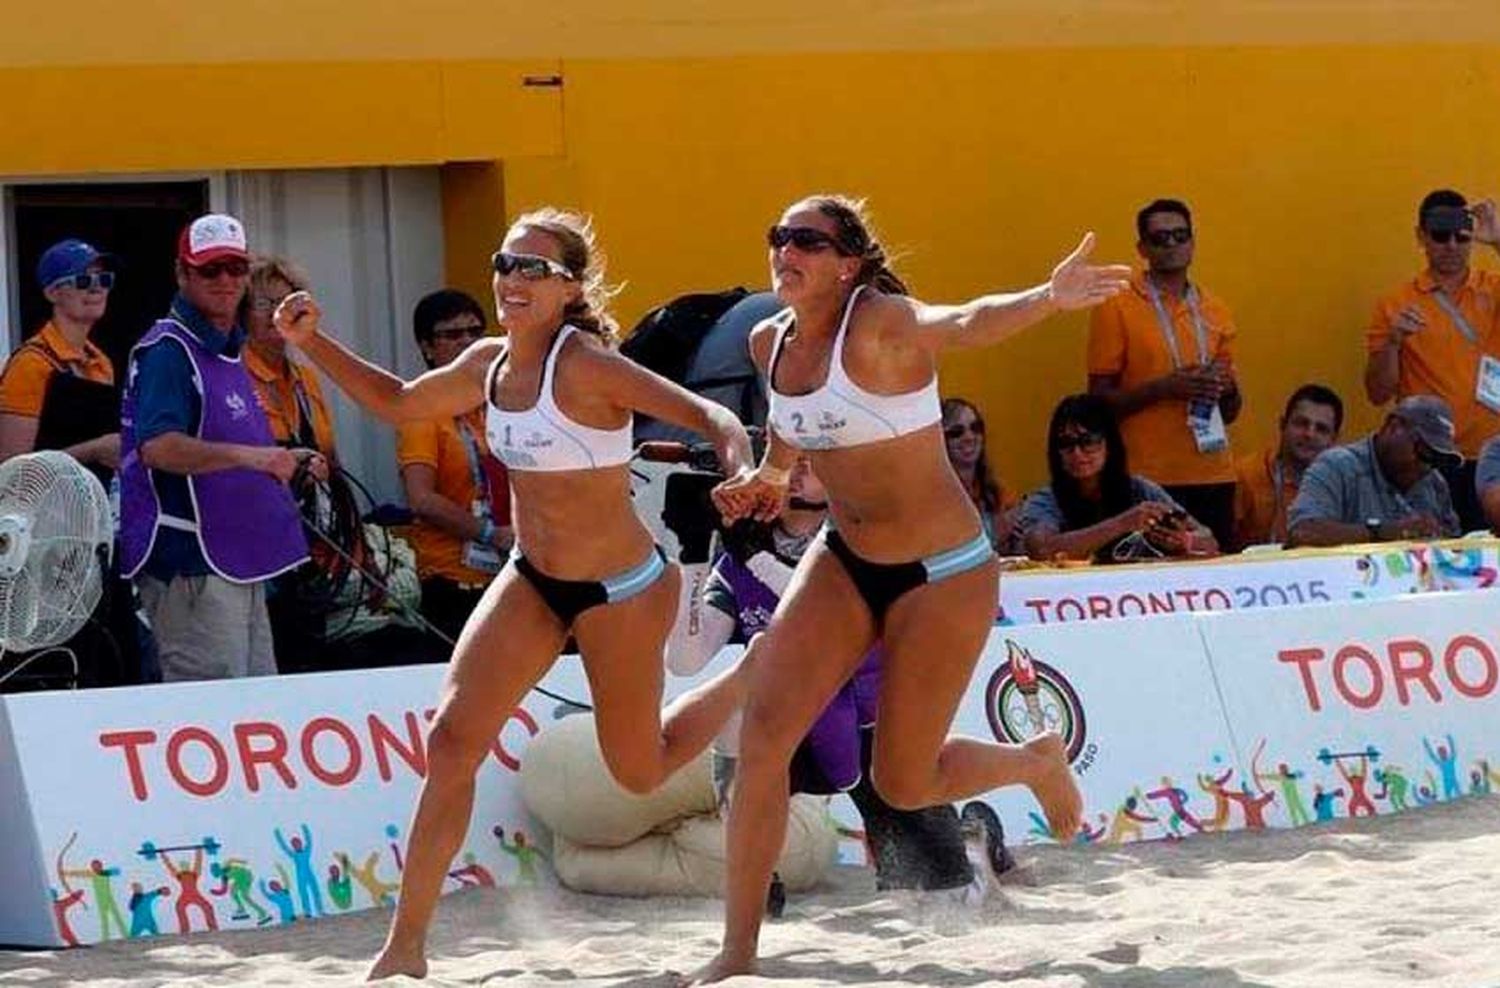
x=1266, y=482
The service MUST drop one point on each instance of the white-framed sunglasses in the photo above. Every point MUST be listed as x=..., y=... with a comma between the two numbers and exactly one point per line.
x=532, y=267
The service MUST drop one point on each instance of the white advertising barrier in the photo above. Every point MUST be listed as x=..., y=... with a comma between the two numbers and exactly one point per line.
x=1363, y=709
x=185, y=807
x=1137, y=707
x=1259, y=580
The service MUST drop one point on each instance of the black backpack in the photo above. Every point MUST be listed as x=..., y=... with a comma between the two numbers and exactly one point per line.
x=668, y=336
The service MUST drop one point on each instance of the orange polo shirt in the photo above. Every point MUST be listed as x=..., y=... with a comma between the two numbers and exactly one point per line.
x=436, y=443
x=277, y=392
x=1259, y=517
x=23, y=384
x=1438, y=359
x=1126, y=339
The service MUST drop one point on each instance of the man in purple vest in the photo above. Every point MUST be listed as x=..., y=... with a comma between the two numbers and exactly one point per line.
x=206, y=517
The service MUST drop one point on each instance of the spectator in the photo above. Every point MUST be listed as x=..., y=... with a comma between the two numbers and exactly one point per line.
x=206, y=516
x=1267, y=482
x=456, y=488
x=58, y=392
x=963, y=430
x=1386, y=486
x=1161, y=354
x=1436, y=334
x=1094, y=507
x=289, y=392
x=1487, y=484
x=910, y=848
x=58, y=389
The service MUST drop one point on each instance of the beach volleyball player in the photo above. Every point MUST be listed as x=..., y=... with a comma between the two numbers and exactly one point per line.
x=850, y=366
x=558, y=403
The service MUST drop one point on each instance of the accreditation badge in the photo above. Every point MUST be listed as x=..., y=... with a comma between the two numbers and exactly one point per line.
x=1207, y=425
x=1487, y=392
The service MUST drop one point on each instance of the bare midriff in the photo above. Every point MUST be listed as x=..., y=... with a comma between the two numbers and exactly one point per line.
x=578, y=524
x=897, y=500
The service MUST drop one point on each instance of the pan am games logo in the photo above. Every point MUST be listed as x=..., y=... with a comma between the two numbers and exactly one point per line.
x=1026, y=696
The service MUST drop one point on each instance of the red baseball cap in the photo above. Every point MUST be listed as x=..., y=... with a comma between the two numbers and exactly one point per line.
x=209, y=238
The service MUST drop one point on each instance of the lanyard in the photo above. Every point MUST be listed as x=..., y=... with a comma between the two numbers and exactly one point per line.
x=1169, y=332
x=1459, y=322
x=306, y=434
x=1278, y=518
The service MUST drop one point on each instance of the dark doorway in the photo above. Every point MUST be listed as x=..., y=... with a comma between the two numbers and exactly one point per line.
x=138, y=222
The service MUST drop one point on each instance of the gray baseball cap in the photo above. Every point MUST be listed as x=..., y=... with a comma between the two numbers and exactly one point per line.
x=1432, y=420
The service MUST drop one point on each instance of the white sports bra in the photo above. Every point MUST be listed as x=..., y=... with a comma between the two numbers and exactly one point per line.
x=542, y=437
x=841, y=413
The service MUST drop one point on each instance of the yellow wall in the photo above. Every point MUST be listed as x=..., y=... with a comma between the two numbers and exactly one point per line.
x=126, y=118
x=1303, y=164
x=988, y=136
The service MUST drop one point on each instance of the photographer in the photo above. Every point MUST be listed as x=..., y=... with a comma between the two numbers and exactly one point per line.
x=911, y=849
x=1095, y=508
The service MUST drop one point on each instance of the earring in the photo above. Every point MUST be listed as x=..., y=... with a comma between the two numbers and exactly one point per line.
x=843, y=277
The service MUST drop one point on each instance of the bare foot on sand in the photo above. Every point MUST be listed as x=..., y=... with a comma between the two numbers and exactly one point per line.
x=1052, y=783
x=723, y=966
x=393, y=962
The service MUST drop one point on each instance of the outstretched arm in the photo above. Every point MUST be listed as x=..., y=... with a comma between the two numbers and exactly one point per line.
x=1075, y=284
x=440, y=393
x=629, y=385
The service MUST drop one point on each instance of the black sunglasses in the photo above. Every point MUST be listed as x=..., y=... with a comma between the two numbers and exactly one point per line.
x=1084, y=440
x=86, y=281
x=958, y=430
x=803, y=238
x=1166, y=238
x=532, y=267
x=234, y=267
x=1443, y=236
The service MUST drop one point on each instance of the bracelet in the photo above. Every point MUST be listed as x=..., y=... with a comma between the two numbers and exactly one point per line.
x=774, y=475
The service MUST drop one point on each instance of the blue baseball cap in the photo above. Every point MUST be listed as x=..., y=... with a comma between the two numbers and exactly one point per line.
x=65, y=259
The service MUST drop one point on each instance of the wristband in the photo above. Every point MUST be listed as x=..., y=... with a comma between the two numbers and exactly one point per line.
x=486, y=531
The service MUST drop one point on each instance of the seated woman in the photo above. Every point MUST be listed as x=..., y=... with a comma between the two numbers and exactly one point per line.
x=964, y=433
x=1094, y=508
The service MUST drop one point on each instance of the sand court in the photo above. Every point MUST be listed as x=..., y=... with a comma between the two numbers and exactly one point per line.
x=1403, y=899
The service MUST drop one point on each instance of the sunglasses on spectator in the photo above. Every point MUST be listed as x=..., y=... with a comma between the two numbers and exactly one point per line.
x=958, y=430
x=1443, y=236
x=450, y=334
x=532, y=267
x=265, y=303
x=804, y=238
x=1080, y=441
x=235, y=267
x=1166, y=238
x=88, y=280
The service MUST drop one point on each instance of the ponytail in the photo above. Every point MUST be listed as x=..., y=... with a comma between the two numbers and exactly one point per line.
x=855, y=239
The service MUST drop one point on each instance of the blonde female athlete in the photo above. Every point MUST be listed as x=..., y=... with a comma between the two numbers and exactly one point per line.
x=558, y=405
